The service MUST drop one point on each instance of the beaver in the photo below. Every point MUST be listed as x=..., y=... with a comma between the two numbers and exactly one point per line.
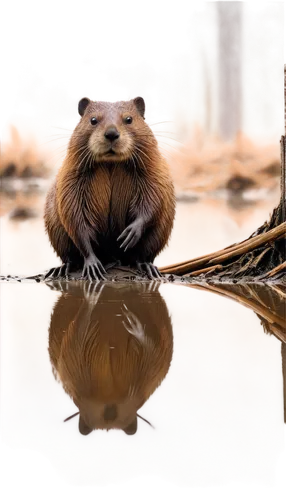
x=110, y=346
x=113, y=198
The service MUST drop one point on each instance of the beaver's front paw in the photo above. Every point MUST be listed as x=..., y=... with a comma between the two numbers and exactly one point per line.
x=131, y=235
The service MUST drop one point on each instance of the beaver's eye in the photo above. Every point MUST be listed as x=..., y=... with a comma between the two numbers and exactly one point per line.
x=128, y=120
x=93, y=121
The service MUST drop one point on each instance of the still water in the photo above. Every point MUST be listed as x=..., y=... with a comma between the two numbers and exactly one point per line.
x=203, y=365
x=196, y=364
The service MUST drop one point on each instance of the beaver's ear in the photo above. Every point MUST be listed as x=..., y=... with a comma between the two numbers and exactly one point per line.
x=83, y=428
x=140, y=105
x=131, y=428
x=82, y=105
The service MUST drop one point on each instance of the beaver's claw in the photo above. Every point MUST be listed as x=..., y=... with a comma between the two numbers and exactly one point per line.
x=58, y=272
x=151, y=270
x=131, y=235
x=93, y=269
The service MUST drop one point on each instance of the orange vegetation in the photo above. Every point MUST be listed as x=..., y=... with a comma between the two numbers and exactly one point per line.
x=20, y=158
x=205, y=165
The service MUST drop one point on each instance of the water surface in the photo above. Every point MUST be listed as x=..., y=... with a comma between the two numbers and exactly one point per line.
x=198, y=366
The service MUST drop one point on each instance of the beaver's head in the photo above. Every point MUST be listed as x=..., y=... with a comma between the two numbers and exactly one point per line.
x=111, y=132
x=96, y=415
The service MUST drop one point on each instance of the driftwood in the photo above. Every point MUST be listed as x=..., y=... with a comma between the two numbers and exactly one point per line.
x=262, y=256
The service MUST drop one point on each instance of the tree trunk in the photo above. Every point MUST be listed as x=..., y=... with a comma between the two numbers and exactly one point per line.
x=229, y=25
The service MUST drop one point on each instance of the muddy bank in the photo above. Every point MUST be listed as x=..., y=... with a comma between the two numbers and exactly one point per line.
x=125, y=274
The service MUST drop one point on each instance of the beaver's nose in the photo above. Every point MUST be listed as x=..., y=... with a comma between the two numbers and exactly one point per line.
x=111, y=134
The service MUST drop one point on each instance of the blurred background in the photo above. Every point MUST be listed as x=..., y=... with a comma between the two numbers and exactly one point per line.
x=211, y=74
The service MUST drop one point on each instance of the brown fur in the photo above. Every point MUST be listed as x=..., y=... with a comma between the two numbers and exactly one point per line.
x=102, y=366
x=97, y=195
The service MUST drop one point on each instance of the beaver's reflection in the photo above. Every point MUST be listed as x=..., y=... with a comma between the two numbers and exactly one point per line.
x=111, y=346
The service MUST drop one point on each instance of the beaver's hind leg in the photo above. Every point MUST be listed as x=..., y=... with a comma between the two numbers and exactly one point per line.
x=149, y=268
x=143, y=264
x=140, y=249
x=71, y=259
x=60, y=240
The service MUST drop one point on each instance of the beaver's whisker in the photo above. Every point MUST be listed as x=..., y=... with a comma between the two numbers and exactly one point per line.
x=140, y=161
x=169, y=138
x=163, y=144
x=145, y=420
x=74, y=415
x=142, y=152
x=54, y=139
